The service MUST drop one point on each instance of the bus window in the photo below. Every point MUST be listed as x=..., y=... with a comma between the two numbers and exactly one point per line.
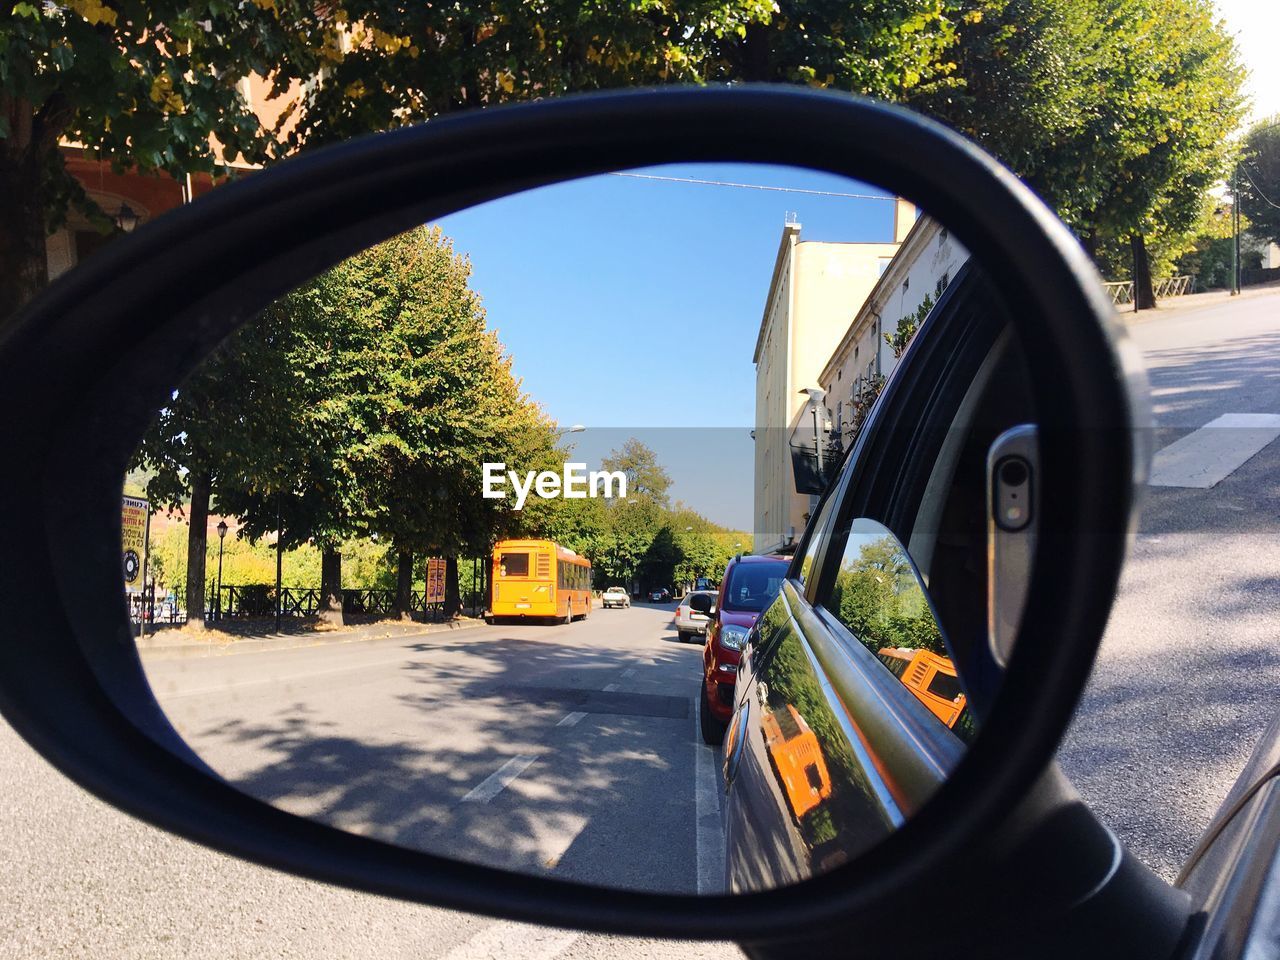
x=514, y=564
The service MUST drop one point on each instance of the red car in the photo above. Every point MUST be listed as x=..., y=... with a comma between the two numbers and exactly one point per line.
x=749, y=585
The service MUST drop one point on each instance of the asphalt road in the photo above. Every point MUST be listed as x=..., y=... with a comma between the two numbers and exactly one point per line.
x=569, y=751
x=1189, y=672
x=388, y=737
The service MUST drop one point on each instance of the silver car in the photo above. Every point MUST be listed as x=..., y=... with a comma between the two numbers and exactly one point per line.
x=690, y=623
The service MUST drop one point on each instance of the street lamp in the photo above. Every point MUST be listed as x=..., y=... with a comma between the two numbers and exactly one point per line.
x=222, y=537
x=815, y=395
x=576, y=428
x=126, y=219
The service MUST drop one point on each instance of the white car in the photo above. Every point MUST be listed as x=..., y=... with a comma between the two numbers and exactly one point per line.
x=615, y=597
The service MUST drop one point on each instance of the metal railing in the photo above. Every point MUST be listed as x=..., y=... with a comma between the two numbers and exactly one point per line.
x=252, y=601
x=1121, y=291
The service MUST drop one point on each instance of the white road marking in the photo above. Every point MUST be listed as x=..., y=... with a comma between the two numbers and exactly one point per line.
x=629, y=672
x=499, y=780
x=570, y=720
x=708, y=824
x=507, y=939
x=610, y=688
x=1211, y=454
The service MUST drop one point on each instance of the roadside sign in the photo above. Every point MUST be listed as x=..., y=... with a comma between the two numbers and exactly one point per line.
x=435, y=580
x=135, y=519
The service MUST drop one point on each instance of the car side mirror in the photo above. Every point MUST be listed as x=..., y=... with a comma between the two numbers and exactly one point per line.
x=702, y=603
x=105, y=360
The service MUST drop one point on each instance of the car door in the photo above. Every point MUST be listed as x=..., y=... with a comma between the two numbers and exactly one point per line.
x=829, y=750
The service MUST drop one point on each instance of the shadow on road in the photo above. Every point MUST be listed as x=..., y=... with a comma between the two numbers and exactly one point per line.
x=607, y=799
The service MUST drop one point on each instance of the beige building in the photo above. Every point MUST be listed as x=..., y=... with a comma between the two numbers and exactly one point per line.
x=927, y=262
x=817, y=288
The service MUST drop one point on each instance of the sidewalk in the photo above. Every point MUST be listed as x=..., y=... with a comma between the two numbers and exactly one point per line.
x=257, y=635
x=1192, y=301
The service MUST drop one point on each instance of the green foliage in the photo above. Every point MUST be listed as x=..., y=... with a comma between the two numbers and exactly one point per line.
x=1118, y=112
x=878, y=598
x=365, y=563
x=1259, y=181
x=647, y=481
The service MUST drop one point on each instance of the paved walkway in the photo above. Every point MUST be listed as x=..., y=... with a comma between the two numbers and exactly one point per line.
x=1191, y=301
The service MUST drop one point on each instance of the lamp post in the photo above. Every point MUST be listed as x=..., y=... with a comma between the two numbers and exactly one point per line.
x=222, y=537
x=815, y=395
x=576, y=428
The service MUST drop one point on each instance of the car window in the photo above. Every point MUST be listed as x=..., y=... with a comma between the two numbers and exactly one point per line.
x=929, y=489
x=752, y=586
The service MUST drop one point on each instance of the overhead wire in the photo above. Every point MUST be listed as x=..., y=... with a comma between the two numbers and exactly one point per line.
x=752, y=186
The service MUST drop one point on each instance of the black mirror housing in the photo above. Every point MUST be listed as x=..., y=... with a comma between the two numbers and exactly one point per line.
x=98, y=352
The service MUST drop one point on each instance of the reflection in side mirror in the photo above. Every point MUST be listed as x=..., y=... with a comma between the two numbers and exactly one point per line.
x=401, y=440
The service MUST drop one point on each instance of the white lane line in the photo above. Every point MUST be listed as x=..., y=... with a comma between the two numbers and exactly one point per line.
x=499, y=780
x=507, y=939
x=1211, y=454
x=610, y=688
x=709, y=826
x=570, y=720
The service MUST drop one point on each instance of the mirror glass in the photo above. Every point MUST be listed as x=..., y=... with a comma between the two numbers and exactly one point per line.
x=629, y=531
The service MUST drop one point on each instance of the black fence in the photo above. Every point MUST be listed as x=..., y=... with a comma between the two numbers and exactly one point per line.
x=1260, y=275
x=257, y=601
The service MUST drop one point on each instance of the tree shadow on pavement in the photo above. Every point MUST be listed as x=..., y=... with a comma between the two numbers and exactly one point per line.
x=607, y=798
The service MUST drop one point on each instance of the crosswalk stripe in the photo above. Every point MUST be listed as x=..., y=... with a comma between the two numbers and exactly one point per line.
x=499, y=780
x=1208, y=456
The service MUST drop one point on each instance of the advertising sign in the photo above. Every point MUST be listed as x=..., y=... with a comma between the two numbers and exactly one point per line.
x=435, y=580
x=135, y=517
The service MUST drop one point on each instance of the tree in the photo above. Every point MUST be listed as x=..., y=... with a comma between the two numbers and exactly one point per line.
x=1157, y=137
x=150, y=86
x=1117, y=112
x=220, y=424
x=646, y=478
x=1259, y=179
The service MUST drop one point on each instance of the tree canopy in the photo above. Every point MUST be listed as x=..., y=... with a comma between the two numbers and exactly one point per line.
x=1259, y=179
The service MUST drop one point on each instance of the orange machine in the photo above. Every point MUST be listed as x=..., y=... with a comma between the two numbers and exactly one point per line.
x=797, y=758
x=932, y=678
x=539, y=578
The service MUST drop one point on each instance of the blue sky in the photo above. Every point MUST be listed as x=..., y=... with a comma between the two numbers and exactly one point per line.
x=632, y=305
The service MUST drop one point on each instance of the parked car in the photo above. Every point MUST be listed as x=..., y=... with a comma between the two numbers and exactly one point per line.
x=661, y=595
x=749, y=585
x=615, y=597
x=692, y=623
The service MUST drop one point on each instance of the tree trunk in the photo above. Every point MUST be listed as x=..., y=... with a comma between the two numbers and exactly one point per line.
x=404, y=584
x=1144, y=294
x=24, y=155
x=756, y=53
x=452, y=596
x=330, y=608
x=197, y=544
x=1089, y=240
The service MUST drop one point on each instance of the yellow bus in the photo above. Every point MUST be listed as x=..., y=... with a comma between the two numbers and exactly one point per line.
x=931, y=678
x=539, y=578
